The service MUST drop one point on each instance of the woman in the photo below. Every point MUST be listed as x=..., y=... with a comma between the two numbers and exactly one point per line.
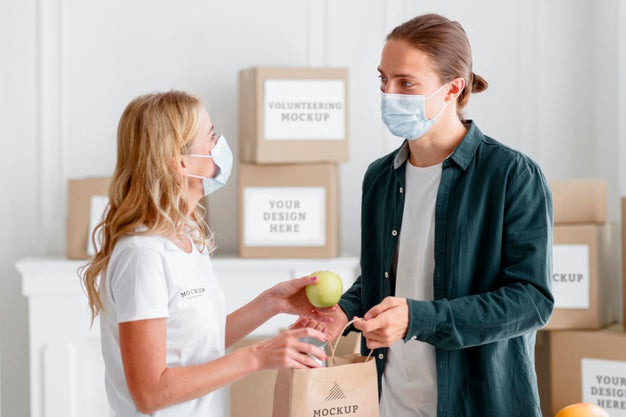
x=162, y=314
x=456, y=243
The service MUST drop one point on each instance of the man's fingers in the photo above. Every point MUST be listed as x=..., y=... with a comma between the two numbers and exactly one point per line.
x=314, y=315
x=373, y=343
x=301, y=322
x=368, y=326
x=321, y=328
x=358, y=324
x=375, y=311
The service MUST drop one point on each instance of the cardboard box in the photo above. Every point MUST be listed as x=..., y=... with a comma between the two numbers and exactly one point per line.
x=254, y=395
x=624, y=259
x=288, y=211
x=542, y=368
x=293, y=115
x=582, y=366
x=585, y=276
x=579, y=201
x=84, y=196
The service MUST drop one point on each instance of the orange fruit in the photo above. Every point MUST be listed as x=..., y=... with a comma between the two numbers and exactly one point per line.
x=582, y=410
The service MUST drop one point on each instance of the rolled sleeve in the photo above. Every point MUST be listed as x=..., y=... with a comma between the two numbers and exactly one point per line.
x=421, y=320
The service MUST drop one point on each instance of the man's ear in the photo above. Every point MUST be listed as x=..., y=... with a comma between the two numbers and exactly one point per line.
x=456, y=87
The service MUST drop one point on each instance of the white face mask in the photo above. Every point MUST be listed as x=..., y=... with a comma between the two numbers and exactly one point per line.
x=405, y=114
x=223, y=158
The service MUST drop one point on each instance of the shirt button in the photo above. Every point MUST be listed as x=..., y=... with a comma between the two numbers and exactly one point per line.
x=414, y=337
x=394, y=233
x=401, y=190
x=386, y=274
x=381, y=356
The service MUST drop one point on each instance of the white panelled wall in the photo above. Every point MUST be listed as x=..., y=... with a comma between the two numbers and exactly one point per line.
x=556, y=70
x=621, y=87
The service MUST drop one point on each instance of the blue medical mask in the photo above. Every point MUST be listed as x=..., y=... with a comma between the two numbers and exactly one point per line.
x=223, y=158
x=405, y=114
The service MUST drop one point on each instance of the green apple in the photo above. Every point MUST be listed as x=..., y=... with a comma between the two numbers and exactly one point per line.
x=327, y=291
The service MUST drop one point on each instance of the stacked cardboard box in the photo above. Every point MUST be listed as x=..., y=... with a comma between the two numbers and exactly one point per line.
x=582, y=366
x=86, y=201
x=577, y=356
x=292, y=134
x=585, y=256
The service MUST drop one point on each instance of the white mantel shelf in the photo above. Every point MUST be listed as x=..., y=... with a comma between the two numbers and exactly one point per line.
x=57, y=275
x=66, y=368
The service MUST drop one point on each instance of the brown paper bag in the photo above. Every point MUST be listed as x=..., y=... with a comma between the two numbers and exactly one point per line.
x=347, y=387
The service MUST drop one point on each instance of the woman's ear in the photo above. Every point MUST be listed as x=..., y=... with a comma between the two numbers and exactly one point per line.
x=180, y=163
x=456, y=88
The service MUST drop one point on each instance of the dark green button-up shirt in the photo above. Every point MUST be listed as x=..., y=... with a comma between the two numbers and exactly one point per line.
x=493, y=261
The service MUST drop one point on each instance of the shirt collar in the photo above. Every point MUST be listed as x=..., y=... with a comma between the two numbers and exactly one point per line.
x=462, y=155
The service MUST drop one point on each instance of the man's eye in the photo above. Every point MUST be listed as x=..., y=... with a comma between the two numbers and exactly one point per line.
x=382, y=79
x=407, y=84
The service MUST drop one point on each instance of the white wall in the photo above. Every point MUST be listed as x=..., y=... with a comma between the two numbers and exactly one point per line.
x=621, y=87
x=19, y=181
x=604, y=108
x=69, y=67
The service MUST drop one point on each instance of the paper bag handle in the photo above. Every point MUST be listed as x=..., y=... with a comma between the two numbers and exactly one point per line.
x=334, y=348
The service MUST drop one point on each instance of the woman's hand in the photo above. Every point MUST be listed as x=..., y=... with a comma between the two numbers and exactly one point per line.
x=286, y=351
x=289, y=297
x=385, y=323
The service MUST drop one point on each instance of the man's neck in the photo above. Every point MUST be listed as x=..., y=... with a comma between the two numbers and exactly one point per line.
x=438, y=143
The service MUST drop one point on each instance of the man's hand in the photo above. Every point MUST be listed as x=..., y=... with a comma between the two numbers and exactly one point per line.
x=385, y=323
x=331, y=328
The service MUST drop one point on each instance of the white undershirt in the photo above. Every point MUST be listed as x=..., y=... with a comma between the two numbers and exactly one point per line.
x=409, y=384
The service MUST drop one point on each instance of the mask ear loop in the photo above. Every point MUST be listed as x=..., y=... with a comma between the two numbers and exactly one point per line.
x=435, y=92
x=444, y=106
x=197, y=156
x=195, y=176
x=334, y=348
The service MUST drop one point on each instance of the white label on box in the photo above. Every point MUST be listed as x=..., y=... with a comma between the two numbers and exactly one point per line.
x=570, y=276
x=97, y=206
x=284, y=216
x=604, y=383
x=304, y=109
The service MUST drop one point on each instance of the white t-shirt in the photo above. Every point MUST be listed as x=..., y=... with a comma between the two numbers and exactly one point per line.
x=409, y=384
x=150, y=277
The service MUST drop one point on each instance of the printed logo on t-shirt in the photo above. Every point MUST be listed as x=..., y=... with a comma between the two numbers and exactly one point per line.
x=192, y=293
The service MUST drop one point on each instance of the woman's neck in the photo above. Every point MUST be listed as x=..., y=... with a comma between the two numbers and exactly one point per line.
x=181, y=240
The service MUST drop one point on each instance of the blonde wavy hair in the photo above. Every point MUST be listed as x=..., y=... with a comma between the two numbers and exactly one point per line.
x=147, y=187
